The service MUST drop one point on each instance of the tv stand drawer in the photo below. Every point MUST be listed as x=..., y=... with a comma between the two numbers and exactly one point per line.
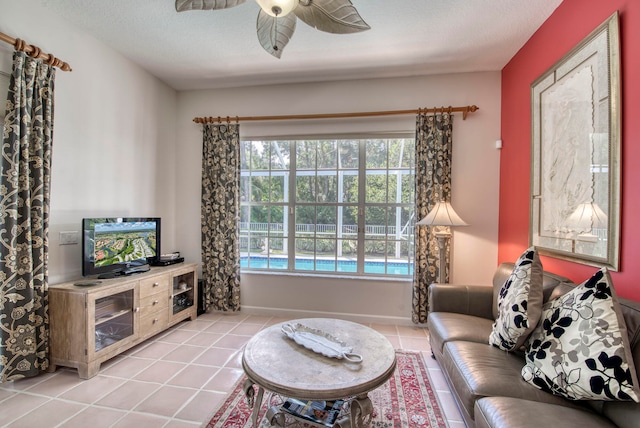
x=154, y=285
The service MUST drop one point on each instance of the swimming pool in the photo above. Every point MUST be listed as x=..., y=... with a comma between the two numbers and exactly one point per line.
x=341, y=266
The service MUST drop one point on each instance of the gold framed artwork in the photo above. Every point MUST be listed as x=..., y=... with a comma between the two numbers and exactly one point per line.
x=575, y=157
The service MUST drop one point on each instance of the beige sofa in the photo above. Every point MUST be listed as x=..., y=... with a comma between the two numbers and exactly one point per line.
x=486, y=381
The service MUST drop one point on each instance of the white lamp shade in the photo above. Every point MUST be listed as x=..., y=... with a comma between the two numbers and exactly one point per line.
x=588, y=216
x=442, y=214
x=278, y=8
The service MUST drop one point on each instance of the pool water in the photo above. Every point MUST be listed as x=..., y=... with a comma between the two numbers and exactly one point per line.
x=346, y=266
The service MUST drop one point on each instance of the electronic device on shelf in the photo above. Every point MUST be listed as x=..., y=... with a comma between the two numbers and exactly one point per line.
x=167, y=262
x=117, y=246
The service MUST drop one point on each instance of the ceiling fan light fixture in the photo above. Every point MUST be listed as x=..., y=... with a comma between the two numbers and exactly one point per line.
x=277, y=8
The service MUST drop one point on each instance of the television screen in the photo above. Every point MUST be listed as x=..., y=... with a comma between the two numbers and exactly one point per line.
x=119, y=246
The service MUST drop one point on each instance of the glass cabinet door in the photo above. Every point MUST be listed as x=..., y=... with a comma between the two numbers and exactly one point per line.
x=114, y=318
x=183, y=292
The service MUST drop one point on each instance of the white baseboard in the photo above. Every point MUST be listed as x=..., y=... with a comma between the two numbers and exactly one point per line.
x=294, y=314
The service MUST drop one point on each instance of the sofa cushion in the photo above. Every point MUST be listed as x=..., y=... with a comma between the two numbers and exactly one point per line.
x=477, y=370
x=448, y=326
x=519, y=303
x=508, y=412
x=580, y=349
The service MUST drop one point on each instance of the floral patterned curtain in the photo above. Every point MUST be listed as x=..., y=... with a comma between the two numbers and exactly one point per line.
x=433, y=184
x=25, y=176
x=220, y=215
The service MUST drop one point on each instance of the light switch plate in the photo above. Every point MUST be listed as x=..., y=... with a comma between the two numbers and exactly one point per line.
x=69, y=238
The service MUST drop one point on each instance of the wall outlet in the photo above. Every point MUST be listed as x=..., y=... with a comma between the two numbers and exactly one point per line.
x=69, y=238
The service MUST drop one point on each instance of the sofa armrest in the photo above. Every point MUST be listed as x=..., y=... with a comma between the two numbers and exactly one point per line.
x=476, y=300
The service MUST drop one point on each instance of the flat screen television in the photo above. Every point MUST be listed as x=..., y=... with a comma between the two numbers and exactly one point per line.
x=119, y=245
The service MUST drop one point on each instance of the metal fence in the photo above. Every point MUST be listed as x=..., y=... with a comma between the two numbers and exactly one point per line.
x=347, y=229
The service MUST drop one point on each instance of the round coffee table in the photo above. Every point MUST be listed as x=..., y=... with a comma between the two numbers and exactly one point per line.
x=280, y=365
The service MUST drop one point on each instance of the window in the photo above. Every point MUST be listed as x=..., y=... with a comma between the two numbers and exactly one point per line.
x=328, y=205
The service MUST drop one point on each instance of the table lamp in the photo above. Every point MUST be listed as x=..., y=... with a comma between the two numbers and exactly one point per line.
x=442, y=214
x=585, y=218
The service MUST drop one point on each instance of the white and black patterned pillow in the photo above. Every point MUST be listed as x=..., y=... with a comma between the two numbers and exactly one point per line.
x=519, y=303
x=580, y=349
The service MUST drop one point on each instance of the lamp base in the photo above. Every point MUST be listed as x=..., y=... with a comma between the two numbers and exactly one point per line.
x=442, y=245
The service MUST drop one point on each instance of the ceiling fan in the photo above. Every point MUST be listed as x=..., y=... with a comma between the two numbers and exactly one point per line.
x=276, y=23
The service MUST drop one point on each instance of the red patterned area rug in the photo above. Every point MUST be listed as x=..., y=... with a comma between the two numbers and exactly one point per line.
x=406, y=400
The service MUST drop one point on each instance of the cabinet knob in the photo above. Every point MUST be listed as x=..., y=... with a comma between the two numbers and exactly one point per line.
x=155, y=302
x=136, y=309
x=155, y=320
x=155, y=284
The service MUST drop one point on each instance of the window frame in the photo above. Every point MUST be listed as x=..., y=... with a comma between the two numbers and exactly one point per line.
x=290, y=206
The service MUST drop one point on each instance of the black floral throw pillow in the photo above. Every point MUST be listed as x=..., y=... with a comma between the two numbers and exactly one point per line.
x=519, y=303
x=580, y=349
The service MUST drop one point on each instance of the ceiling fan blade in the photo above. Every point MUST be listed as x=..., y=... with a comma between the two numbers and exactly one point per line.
x=274, y=33
x=332, y=16
x=182, y=5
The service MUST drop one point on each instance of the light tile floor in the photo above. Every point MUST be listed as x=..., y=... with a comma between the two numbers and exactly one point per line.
x=173, y=380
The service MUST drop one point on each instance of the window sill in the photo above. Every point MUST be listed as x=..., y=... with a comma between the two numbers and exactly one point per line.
x=329, y=276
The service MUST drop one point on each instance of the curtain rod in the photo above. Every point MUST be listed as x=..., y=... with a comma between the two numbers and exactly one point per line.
x=35, y=52
x=464, y=110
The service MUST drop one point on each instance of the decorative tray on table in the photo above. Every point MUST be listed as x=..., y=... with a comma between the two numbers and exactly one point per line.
x=320, y=342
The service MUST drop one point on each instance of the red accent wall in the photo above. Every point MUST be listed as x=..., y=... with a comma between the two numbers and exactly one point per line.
x=566, y=27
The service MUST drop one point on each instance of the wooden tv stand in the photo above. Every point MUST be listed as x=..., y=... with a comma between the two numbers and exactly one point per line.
x=90, y=324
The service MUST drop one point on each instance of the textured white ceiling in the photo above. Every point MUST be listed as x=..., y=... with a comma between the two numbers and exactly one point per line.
x=211, y=49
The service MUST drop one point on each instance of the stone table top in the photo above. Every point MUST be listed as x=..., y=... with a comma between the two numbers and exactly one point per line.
x=280, y=365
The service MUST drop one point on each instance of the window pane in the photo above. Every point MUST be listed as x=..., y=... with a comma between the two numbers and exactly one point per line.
x=245, y=188
x=327, y=154
x=375, y=222
x=376, y=188
x=259, y=156
x=280, y=263
x=305, y=188
x=260, y=189
x=376, y=154
x=326, y=254
x=280, y=155
x=245, y=155
x=349, y=152
x=278, y=188
x=401, y=153
x=326, y=222
x=259, y=218
x=276, y=224
x=305, y=220
x=349, y=248
x=305, y=249
x=349, y=221
x=350, y=188
x=327, y=190
x=392, y=193
x=408, y=189
x=305, y=155
x=408, y=158
x=408, y=228
x=374, y=250
x=393, y=225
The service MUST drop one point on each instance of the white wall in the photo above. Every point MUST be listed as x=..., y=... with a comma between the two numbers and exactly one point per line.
x=114, y=132
x=475, y=179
